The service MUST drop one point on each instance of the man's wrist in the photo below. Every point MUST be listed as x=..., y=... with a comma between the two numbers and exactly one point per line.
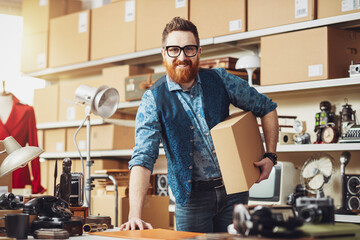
x=272, y=156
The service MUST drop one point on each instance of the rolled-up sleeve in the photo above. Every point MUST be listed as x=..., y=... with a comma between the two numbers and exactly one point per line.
x=245, y=97
x=147, y=134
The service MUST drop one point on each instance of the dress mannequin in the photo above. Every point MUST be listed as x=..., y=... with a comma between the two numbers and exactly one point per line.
x=6, y=103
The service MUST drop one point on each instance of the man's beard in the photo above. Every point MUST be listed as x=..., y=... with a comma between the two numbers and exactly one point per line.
x=183, y=75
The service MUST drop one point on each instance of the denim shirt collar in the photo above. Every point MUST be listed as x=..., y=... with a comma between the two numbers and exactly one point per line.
x=173, y=86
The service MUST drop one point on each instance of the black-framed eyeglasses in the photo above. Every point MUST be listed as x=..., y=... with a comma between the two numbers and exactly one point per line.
x=175, y=51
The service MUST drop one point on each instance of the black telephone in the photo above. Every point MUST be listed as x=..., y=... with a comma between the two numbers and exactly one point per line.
x=48, y=207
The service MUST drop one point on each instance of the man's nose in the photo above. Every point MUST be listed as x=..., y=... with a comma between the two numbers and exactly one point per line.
x=182, y=56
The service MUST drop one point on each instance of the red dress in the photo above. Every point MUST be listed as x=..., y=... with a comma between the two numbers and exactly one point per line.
x=21, y=124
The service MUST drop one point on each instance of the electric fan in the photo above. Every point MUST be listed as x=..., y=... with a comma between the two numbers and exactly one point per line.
x=317, y=172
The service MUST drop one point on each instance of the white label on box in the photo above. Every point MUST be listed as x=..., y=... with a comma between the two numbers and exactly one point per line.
x=301, y=8
x=315, y=70
x=82, y=144
x=60, y=146
x=41, y=60
x=130, y=86
x=180, y=3
x=83, y=22
x=129, y=11
x=235, y=25
x=348, y=5
x=70, y=113
x=43, y=3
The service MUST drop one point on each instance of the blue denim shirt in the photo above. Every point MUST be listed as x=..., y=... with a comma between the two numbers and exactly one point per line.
x=148, y=127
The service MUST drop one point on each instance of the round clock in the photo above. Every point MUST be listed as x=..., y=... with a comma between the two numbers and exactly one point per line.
x=329, y=135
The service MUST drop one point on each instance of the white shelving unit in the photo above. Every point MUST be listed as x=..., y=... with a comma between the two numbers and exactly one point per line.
x=227, y=42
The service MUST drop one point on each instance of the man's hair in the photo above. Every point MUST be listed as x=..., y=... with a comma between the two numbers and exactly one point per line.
x=179, y=24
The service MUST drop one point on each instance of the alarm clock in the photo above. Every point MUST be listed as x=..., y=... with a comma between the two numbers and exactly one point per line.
x=329, y=135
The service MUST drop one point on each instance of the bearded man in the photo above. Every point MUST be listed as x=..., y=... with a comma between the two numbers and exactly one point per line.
x=180, y=109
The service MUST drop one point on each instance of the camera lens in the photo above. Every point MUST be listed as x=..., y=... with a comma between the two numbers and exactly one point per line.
x=311, y=214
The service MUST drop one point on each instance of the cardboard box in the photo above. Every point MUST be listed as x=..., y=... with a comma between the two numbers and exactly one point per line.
x=238, y=145
x=313, y=54
x=151, y=18
x=68, y=110
x=135, y=86
x=34, y=54
x=5, y=181
x=80, y=139
x=69, y=39
x=112, y=137
x=271, y=13
x=46, y=103
x=230, y=17
x=99, y=164
x=55, y=140
x=40, y=136
x=111, y=32
x=331, y=8
x=115, y=76
x=155, y=211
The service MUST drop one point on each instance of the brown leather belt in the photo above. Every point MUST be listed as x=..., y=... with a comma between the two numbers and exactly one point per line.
x=199, y=186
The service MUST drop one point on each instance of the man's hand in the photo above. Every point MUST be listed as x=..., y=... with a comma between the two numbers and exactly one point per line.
x=265, y=166
x=135, y=224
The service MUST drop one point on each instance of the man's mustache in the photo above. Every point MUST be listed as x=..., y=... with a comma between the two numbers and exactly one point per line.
x=185, y=62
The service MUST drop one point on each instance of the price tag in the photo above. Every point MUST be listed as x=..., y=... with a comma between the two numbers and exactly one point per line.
x=41, y=60
x=348, y=5
x=60, y=146
x=129, y=11
x=43, y=3
x=180, y=3
x=70, y=113
x=82, y=144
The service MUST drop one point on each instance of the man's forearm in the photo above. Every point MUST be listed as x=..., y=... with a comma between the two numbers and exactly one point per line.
x=138, y=186
x=270, y=126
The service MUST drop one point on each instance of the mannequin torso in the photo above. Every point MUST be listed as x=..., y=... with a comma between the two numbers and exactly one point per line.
x=6, y=103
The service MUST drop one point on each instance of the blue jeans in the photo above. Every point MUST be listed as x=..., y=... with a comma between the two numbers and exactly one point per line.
x=208, y=211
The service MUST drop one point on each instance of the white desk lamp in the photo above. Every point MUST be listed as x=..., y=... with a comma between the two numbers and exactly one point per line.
x=102, y=101
x=17, y=156
x=250, y=63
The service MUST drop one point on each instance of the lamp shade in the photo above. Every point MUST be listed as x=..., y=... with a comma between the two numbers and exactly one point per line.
x=102, y=100
x=17, y=156
x=250, y=63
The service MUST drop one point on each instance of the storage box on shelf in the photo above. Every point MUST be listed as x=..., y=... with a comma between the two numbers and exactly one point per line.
x=271, y=13
x=111, y=137
x=69, y=39
x=35, y=43
x=216, y=18
x=46, y=102
x=115, y=76
x=55, y=140
x=326, y=8
x=112, y=30
x=151, y=17
x=313, y=54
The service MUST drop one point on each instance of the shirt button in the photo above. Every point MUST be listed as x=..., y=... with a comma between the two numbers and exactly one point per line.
x=214, y=151
x=199, y=115
x=191, y=140
x=189, y=181
x=207, y=134
x=191, y=96
x=188, y=193
x=190, y=167
x=190, y=154
x=191, y=127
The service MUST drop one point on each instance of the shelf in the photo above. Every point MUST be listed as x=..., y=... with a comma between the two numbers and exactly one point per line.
x=232, y=40
x=93, y=122
x=319, y=147
x=93, y=154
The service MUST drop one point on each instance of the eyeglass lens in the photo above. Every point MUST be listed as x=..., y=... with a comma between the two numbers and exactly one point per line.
x=175, y=51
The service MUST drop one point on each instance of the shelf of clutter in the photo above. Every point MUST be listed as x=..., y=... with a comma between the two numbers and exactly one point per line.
x=212, y=44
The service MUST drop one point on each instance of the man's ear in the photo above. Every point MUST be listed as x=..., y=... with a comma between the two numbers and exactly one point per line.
x=200, y=50
x=163, y=53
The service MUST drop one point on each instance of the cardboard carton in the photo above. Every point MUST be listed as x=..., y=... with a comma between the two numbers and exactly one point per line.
x=34, y=54
x=271, y=13
x=55, y=140
x=112, y=137
x=326, y=8
x=69, y=39
x=151, y=18
x=111, y=33
x=46, y=103
x=312, y=54
x=238, y=145
x=115, y=76
x=224, y=17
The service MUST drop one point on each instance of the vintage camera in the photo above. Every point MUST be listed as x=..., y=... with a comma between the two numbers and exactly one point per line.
x=77, y=190
x=316, y=210
x=9, y=201
x=300, y=191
